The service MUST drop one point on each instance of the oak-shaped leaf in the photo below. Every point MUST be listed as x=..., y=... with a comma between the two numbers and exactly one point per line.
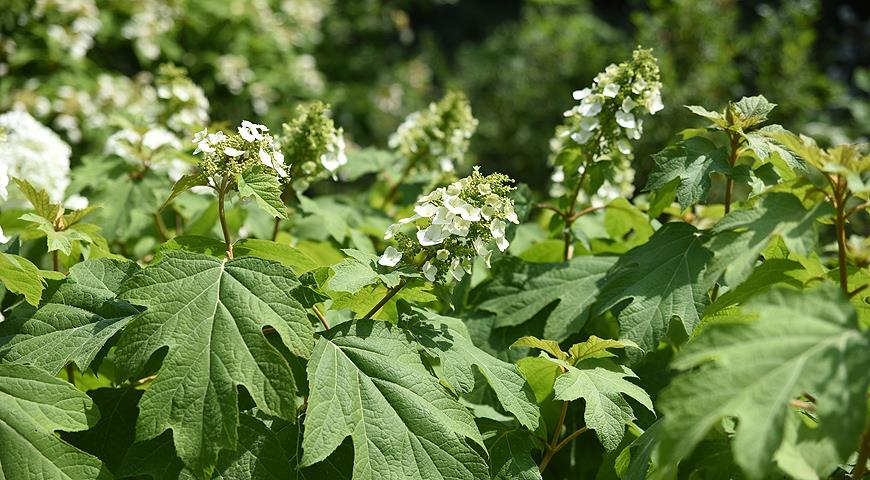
x=521, y=290
x=602, y=384
x=657, y=281
x=368, y=381
x=211, y=313
x=79, y=315
x=802, y=342
x=510, y=451
x=33, y=406
x=740, y=236
x=458, y=355
x=692, y=161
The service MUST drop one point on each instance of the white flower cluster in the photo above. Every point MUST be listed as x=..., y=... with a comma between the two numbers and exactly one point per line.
x=32, y=152
x=608, y=114
x=227, y=154
x=152, y=19
x=437, y=137
x=454, y=224
x=72, y=24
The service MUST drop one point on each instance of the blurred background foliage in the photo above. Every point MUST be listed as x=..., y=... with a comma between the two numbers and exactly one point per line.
x=377, y=60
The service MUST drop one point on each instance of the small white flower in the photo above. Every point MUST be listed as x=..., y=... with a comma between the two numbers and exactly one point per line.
x=581, y=94
x=390, y=257
x=392, y=230
x=432, y=235
x=589, y=109
x=623, y=146
x=502, y=243
x=442, y=254
x=628, y=104
x=430, y=271
x=497, y=227
x=484, y=189
x=625, y=120
x=426, y=210
x=232, y=152
x=456, y=269
x=610, y=90
x=581, y=137
x=654, y=102
x=459, y=226
x=510, y=215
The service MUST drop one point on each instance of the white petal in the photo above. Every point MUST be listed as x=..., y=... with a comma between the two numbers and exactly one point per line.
x=654, y=103
x=232, y=152
x=625, y=120
x=433, y=235
x=430, y=271
x=581, y=94
x=426, y=210
x=390, y=257
x=610, y=90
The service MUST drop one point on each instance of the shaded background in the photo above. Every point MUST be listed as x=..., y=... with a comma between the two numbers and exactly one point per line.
x=377, y=60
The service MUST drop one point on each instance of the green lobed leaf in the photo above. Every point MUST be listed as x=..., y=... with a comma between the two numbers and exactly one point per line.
x=458, y=355
x=112, y=436
x=264, y=189
x=291, y=257
x=210, y=314
x=523, y=289
x=741, y=235
x=34, y=405
x=368, y=382
x=39, y=200
x=656, y=282
x=802, y=342
x=603, y=385
x=184, y=184
x=510, y=452
x=20, y=275
x=74, y=322
x=753, y=110
x=692, y=161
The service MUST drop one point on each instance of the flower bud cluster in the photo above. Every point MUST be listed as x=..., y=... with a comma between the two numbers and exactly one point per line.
x=609, y=112
x=71, y=24
x=314, y=145
x=454, y=224
x=437, y=137
x=231, y=154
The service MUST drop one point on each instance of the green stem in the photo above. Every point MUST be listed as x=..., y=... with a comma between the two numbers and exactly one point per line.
x=55, y=261
x=395, y=188
x=390, y=294
x=732, y=160
x=223, y=218
x=840, y=223
x=161, y=227
x=863, y=454
x=569, y=217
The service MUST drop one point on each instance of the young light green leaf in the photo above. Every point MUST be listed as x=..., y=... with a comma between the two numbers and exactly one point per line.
x=765, y=146
x=550, y=346
x=753, y=110
x=603, y=385
x=264, y=189
x=21, y=276
x=368, y=382
x=595, y=347
x=61, y=240
x=33, y=405
x=692, y=161
x=803, y=341
x=742, y=234
x=210, y=314
x=524, y=289
x=714, y=117
x=458, y=355
x=39, y=200
x=660, y=280
x=74, y=322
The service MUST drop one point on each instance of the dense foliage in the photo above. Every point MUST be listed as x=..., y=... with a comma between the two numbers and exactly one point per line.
x=184, y=295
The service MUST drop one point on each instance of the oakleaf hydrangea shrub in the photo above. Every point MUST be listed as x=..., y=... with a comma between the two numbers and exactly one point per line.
x=200, y=312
